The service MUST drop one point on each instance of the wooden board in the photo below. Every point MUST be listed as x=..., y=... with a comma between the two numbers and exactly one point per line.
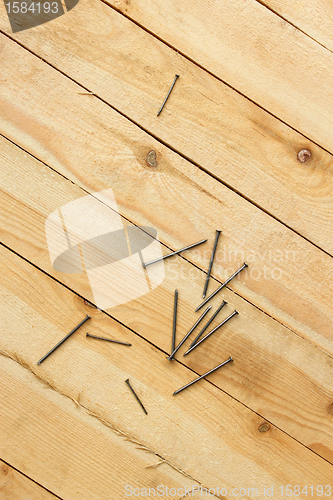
x=228, y=136
x=313, y=17
x=180, y=200
x=13, y=484
x=266, y=351
x=82, y=385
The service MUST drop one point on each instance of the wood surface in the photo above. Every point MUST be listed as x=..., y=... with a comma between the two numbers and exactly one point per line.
x=266, y=351
x=204, y=120
x=261, y=55
x=78, y=104
x=183, y=202
x=313, y=17
x=14, y=485
x=52, y=406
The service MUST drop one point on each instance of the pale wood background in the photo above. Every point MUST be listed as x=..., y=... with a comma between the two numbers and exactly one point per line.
x=78, y=104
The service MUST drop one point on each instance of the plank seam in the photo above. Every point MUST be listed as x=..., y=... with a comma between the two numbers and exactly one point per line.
x=30, y=478
x=169, y=248
x=169, y=146
x=262, y=2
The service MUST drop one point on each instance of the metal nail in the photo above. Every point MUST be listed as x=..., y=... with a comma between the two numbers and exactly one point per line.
x=211, y=332
x=202, y=376
x=207, y=324
x=189, y=333
x=174, y=321
x=63, y=340
x=173, y=253
x=167, y=96
x=220, y=287
x=108, y=340
x=211, y=263
x=136, y=396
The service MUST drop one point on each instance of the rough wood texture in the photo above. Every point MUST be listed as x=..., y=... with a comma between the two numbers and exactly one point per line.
x=14, y=485
x=41, y=412
x=266, y=351
x=204, y=120
x=96, y=148
x=313, y=17
x=254, y=51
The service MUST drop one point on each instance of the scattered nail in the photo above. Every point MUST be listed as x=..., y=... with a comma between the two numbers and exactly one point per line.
x=304, y=155
x=136, y=396
x=220, y=287
x=167, y=96
x=173, y=253
x=264, y=427
x=63, y=340
x=211, y=332
x=170, y=358
x=151, y=159
x=108, y=340
x=211, y=263
x=174, y=321
x=202, y=376
x=207, y=324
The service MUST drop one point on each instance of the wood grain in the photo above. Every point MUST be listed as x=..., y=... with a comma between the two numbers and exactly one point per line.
x=14, y=485
x=204, y=120
x=266, y=351
x=314, y=18
x=96, y=148
x=260, y=55
x=41, y=407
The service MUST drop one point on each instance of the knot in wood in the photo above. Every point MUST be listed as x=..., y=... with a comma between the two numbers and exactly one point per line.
x=264, y=427
x=304, y=155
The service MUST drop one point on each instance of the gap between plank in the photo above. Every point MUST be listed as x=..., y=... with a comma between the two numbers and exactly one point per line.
x=169, y=146
x=166, y=246
x=30, y=478
x=262, y=2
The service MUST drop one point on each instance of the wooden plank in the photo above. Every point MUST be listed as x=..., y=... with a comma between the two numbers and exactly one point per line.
x=260, y=55
x=15, y=485
x=62, y=446
x=314, y=18
x=266, y=351
x=180, y=200
x=206, y=121
x=204, y=445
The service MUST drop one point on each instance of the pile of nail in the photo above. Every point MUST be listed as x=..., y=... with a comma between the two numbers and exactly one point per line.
x=198, y=340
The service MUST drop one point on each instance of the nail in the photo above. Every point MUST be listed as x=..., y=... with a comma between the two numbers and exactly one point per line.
x=207, y=325
x=189, y=333
x=109, y=340
x=135, y=394
x=202, y=376
x=174, y=321
x=210, y=333
x=174, y=253
x=211, y=263
x=167, y=96
x=220, y=287
x=63, y=340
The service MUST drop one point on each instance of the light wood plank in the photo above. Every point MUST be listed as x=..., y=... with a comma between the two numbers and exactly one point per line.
x=204, y=120
x=14, y=485
x=313, y=17
x=277, y=372
x=254, y=51
x=96, y=148
x=204, y=444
